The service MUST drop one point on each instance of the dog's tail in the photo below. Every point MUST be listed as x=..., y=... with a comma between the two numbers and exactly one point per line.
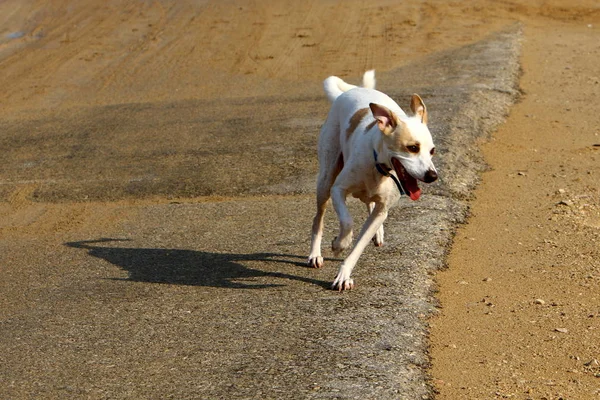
x=335, y=86
x=369, y=79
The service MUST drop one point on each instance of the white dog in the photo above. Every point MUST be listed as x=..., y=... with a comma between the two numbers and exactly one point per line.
x=371, y=149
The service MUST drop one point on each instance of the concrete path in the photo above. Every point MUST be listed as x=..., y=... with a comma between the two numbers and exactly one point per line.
x=210, y=298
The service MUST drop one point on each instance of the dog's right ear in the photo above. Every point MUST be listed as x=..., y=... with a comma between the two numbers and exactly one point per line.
x=386, y=119
x=418, y=107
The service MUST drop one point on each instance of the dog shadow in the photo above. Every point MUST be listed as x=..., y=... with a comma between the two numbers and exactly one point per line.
x=191, y=267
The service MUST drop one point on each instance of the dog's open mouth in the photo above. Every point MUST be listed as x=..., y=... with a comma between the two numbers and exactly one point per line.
x=409, y=183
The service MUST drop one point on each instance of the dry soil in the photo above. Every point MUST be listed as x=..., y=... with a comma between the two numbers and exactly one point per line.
x=520, y=300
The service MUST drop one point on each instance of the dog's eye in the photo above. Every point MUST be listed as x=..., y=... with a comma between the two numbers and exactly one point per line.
x=413, y=148
x=432, y=152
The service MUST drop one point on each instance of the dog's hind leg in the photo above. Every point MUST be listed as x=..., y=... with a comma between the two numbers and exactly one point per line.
x=327, y=176
x=378, y=238
x=331, y=162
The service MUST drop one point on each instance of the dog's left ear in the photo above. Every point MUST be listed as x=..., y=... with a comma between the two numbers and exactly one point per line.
x=418, y=108
x=386, y=119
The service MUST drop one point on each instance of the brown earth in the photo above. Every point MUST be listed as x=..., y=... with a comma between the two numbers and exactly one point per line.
x=520, y=300
x=534, y=230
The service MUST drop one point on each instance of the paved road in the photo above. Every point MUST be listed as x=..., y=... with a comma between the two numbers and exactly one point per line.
x=210, y=298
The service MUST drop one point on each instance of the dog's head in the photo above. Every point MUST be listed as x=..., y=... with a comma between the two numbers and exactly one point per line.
x=407, y=145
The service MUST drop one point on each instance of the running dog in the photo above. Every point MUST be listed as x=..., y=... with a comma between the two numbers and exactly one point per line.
x=370, y=149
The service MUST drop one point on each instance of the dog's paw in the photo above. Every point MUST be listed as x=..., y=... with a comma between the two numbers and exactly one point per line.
x=377, y=240
x=342, y=280
x=339, y=245
x=341, y=283
x=315, y=262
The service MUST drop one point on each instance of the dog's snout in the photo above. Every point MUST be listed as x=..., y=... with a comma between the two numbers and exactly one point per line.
x=430, y=176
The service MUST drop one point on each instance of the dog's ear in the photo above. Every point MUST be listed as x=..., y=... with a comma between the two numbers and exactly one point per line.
x=418, y=108
x=386, y=119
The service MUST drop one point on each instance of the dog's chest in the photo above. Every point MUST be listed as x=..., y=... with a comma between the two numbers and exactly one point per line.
x=376, y=188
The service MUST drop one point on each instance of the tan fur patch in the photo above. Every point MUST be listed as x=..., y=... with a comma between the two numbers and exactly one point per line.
x=372, y=124
x=355, y=120
x=401, y=139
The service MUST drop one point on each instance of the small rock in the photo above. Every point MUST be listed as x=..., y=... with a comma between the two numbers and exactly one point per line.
x=15, y=35
x=487, y=279
x=562, y=330
x=561, y=191
x=521, y=173
x=567, y=203
x=539, y=301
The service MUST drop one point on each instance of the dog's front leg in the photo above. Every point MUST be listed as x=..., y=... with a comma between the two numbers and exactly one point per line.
x=344, y=237
x=378, y=237
x=343, y=281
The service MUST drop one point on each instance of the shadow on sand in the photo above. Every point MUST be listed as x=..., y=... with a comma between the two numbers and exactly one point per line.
x=190, y=267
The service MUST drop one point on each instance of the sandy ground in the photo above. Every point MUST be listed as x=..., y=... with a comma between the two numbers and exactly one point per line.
x=519, y=300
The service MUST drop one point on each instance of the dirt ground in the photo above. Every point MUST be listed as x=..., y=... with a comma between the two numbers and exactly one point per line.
x=520, y=300
x=519, y=306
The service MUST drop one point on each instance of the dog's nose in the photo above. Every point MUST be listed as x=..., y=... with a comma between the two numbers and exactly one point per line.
x=430, y=176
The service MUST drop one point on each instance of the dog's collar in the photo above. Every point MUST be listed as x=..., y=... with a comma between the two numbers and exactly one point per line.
x=385, y=171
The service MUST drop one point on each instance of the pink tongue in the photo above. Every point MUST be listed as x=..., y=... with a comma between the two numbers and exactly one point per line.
x=412, y=186
x=409, y=183
x=415, y=195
